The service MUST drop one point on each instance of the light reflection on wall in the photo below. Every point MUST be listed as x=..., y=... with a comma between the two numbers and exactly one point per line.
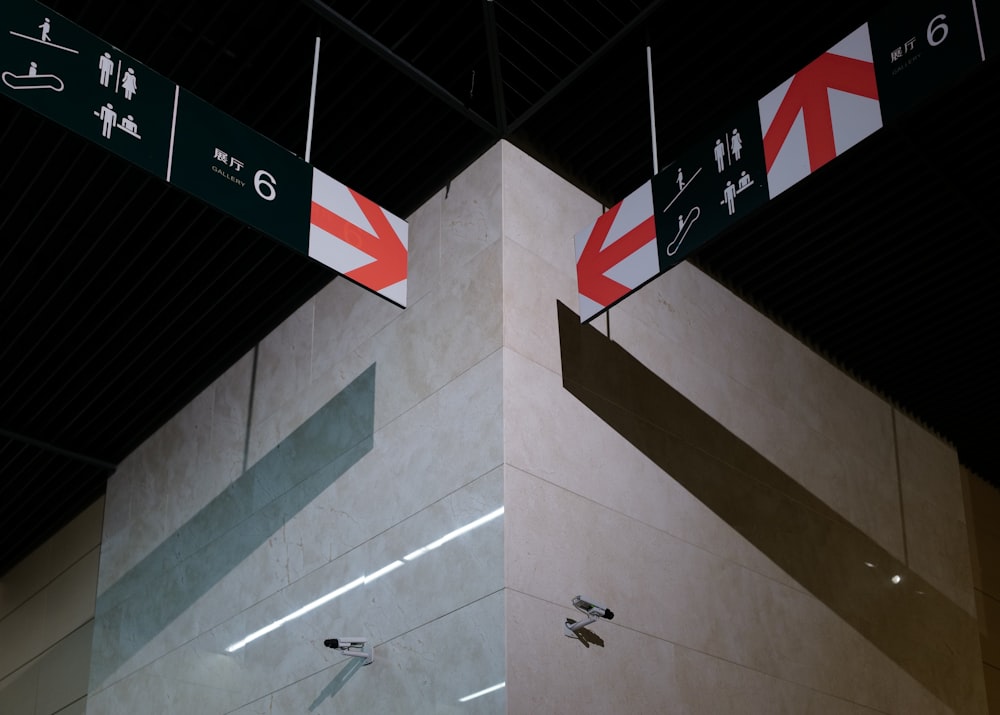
x=482, y=692
x=368, y=578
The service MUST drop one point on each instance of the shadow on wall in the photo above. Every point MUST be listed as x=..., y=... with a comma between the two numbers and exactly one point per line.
x=334, y=686
x=143, y=602
x=906, y=618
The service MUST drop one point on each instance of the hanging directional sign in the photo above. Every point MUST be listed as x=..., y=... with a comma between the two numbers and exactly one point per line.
x=617, y=254
x=921, y=46
x=873, y=75
x=232, y=167
x=827, y=107
x=368, y=243
x=714, y=184
x=76, y=79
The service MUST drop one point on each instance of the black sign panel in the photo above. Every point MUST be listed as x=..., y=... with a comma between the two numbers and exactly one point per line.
x=66, y=74
x=711, y=186
x=920, y=47
x=80, y=81
x=237, y=170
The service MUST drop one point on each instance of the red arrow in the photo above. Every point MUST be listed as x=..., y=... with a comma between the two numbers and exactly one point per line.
x=595, y=262
x=808, y=92
x=389, y=266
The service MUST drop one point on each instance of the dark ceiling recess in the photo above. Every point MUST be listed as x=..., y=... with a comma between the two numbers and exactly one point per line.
x=122, y=297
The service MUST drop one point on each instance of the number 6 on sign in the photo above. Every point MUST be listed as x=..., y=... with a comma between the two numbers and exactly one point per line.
x=937, y=30
x=263, y=184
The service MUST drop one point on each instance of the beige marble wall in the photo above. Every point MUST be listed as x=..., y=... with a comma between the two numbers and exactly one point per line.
x=933, y=512
x=741, y=504
x=46, y=621
x=983, y=510
x=403, y=545
x=772, y=536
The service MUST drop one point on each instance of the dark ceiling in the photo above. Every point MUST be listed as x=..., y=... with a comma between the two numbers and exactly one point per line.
x=122, y=297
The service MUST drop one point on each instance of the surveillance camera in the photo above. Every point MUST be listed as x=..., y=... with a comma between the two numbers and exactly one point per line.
x=592, y=608
x=352, y=646
x=345, y=642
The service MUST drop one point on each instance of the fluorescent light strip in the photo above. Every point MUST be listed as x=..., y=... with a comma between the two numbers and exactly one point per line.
x=383, y=571
x=454, y=534
x=490, y=689
x=295, y=614
x=368, y=579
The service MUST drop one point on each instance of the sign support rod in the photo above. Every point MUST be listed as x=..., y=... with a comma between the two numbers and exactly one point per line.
x=652, y=110
x=312, y=103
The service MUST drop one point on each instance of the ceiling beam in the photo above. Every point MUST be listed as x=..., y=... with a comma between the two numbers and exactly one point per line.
x=46, y=446
x=636, y=22
x=366, y=40
x=493, y=52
